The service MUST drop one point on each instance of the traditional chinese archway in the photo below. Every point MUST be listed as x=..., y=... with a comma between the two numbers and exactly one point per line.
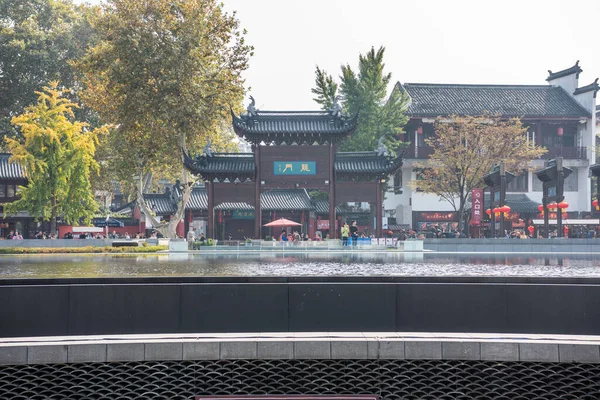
x=294, y=150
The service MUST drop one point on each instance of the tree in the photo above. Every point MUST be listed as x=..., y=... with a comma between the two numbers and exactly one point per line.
x=365, y=92
x=165, y=73
x=58, y=157
x=465, y=149
x=38, y=39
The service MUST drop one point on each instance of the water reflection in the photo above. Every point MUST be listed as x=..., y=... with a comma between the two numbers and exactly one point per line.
x=309, y=264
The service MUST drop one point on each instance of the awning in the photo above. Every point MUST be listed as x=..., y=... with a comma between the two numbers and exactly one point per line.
x=86, y=229
x=569, y=222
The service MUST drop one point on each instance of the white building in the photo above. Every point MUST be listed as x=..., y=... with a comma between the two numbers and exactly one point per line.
x=560, y=116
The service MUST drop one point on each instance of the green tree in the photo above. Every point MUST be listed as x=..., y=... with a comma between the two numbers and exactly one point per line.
x=38, y=39
x=58, y=157
x=365, y=91
x=465, y=149
x=165, y=73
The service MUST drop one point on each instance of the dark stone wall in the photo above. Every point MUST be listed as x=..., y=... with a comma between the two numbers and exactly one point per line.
x=390, y=379
x=120, y=306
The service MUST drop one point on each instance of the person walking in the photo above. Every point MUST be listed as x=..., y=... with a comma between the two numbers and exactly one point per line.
x=345, y=232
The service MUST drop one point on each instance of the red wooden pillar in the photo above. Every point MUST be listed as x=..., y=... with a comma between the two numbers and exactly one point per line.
x=210, y=229
x=257, y=207
x=332, y=230
x=378, y=210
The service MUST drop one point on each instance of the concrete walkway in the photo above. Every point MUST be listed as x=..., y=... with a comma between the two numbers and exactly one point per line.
x=318, y=345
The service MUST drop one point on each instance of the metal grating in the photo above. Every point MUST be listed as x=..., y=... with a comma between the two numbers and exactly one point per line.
x=391, y=379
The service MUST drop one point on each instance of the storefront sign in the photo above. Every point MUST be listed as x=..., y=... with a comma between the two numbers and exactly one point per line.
x=294, y=167
x=437, y=216
x=242, y=214
x=323, y=224
x=476, y=206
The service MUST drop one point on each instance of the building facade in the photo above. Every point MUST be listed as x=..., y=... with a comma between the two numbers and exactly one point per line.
x=293, y=151
x=560, y=116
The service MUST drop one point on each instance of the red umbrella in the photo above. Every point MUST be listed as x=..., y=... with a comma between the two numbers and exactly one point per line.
x=282, y=222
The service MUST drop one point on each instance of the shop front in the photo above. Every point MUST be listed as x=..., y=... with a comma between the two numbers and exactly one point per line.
x=436, y=223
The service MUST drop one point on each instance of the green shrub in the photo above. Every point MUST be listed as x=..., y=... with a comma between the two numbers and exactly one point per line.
x=78, y=250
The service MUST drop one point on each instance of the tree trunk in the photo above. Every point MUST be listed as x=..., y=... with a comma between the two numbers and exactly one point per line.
x=53, y=217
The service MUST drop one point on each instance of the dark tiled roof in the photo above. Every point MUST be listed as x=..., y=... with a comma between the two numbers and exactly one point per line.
x=588, y=88
x=124, y=210
x=575, y=69
x=398, y=227
x=322, y=207
x=222, y=166
x=10, y=170
x=278, y=200
x=432, y=100
x=282, y=200
x=365, y=162
x=294, y=127
x=160, y=203
x=230, y=206
x=198, y=200
x=517, y=202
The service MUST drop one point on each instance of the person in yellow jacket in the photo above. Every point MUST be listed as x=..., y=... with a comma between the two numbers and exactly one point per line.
x=345, y=233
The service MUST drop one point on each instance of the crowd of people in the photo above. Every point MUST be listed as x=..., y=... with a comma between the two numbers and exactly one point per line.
x=41, y=235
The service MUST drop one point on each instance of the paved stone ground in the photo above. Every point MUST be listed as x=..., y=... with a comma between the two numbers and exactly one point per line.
x=331, y=345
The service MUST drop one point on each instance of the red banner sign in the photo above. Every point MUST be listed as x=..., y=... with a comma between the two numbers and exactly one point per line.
x=437, y=216
x=323, y=224
x=476, y=206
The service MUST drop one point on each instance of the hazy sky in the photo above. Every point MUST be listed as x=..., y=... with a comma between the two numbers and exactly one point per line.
x=437, y=41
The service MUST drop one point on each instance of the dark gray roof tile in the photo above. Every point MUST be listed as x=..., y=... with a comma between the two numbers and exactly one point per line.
x=294, y=127
x=10, y=170
x=282, y=200
x=575, y=69
x=160, y=203
x=365, y=162
x=432, y=100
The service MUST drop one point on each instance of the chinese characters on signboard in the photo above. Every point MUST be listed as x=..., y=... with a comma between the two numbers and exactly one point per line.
x=476, y=206
x=294, y=167
x=242, y=214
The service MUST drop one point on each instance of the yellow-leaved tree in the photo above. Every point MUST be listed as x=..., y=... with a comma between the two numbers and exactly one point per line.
x=57, y=154
x=465, y=148
x=165, y=73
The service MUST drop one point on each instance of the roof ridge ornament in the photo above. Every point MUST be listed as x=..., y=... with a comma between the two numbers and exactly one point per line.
x=251, y=109
x=382, y=149
x=575, y=69
x=207, y=151
x=336, y=108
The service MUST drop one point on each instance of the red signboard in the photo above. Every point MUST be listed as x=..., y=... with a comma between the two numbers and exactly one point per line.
x=323, y=224
x=437, y=216
x=476, y=206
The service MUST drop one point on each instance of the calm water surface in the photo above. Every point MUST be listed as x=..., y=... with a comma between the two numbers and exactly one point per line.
x=396, y=264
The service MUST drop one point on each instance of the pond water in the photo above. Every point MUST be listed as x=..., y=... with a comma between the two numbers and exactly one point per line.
x=322, y=264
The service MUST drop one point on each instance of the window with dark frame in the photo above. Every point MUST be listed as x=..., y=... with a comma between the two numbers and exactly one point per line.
x=520, y=183
x=2, y=190
x=398, y=182
x=10, y=191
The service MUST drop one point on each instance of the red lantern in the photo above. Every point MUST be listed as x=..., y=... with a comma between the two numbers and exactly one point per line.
x=559, y=131
x=488, y=211
x=595, y=203
x=505, y=209
x=563, y=205
x=531, y=229
x=496, y=210
x=552, y=206
x=420, y=129
x=565, y=215
x=541, y=208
